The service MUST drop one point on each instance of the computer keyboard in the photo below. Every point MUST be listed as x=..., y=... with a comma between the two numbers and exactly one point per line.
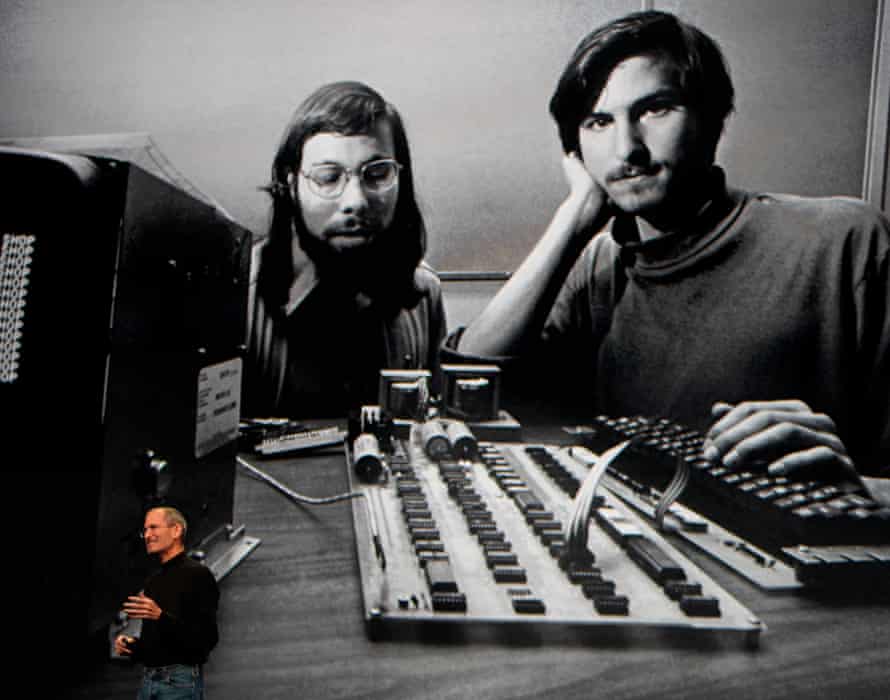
x=799, y=520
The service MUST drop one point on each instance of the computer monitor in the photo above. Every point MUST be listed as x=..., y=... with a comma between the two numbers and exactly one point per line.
x=122, y=315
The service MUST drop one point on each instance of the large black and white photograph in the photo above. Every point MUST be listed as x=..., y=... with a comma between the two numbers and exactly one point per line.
x=433, y=350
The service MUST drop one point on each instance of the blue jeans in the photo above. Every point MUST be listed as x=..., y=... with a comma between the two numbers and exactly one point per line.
x=175, y=682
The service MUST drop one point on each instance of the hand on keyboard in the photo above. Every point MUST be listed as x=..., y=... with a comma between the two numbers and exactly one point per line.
x=786, y=435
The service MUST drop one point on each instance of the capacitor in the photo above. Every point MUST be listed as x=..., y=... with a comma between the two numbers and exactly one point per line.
x=367, y=458
x=435, y=440
x=460, y=437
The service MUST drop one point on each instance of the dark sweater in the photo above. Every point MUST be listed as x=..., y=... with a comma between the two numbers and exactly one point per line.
x=186, y=632
x=325, y=356
x=778, y=297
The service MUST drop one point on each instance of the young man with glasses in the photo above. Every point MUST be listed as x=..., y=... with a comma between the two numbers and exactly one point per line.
x=177, y=608
x=341, y=291
x=761, y=319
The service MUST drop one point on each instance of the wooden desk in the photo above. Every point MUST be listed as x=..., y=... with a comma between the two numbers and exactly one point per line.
x=291, y=627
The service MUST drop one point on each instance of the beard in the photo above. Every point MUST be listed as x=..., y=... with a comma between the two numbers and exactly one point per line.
x=358, y=268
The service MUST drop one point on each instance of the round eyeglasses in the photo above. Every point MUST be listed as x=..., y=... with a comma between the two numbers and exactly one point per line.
x=328, y=180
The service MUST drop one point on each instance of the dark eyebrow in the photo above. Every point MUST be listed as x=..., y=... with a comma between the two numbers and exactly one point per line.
x=668, y=95
x=325, y=162
x=371, y=159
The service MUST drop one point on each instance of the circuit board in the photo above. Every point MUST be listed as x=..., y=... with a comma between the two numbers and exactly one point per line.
x=476, y=548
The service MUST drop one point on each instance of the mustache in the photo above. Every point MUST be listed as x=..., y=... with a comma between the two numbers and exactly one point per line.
x=629, y=170
x=353, y=226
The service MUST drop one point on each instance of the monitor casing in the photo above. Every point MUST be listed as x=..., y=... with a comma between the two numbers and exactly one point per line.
x=128, y=339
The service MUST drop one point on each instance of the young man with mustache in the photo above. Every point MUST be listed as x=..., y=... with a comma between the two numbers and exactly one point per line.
x=760, y=319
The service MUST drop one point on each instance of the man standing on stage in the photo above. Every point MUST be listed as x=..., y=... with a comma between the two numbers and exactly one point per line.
x=178, y=611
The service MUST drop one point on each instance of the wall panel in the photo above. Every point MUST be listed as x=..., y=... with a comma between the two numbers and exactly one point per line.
x=214, y=83
x=802, y=71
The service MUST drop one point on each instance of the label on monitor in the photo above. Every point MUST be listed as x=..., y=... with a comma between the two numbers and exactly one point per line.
x=16, y=253
x=219, y=406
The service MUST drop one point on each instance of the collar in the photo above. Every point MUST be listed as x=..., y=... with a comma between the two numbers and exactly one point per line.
x=678, y=246
x=175, y=561
x=304, y=282
x=308, y=280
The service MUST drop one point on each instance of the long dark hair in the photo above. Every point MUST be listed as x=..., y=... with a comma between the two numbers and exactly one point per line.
x=348, y=108
x=701, y=68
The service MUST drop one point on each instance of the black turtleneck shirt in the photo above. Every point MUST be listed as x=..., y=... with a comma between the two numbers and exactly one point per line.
x=186, y=632
x=763, y=297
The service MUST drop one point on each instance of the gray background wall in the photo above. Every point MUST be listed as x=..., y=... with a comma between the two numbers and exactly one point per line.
x=215, y=81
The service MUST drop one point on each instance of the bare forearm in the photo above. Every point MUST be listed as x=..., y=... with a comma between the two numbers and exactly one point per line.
x=518, y=311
